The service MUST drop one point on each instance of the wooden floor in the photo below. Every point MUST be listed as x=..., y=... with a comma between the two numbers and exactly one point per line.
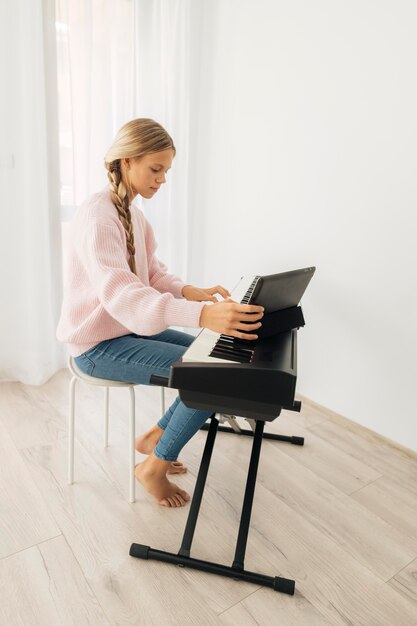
x=338, y=515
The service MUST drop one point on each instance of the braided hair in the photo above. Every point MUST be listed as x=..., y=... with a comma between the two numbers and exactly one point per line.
x=135, y=139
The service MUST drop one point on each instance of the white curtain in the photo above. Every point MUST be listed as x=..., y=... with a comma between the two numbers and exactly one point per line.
x=167, y=91
x=30, y=247
x=97, y=84
x=109, y=62
x=118, y=61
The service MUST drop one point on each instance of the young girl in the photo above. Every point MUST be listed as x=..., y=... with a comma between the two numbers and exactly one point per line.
x=119, y=299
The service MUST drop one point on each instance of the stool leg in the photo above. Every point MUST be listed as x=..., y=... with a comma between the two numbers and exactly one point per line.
x=71, y=419
x=132, y=446
x=106, y=417
x=162, y=400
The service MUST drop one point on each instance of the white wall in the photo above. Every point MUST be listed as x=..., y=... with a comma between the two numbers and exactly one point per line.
x=306, y=154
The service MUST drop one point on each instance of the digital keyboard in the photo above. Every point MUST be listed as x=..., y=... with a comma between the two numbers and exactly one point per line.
x=218, y=375
x=247, y=378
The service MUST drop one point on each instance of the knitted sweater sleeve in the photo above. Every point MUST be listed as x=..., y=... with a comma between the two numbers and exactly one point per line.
x=138, y=307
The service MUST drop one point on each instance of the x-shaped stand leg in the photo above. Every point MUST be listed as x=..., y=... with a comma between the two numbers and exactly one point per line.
x=236, y=571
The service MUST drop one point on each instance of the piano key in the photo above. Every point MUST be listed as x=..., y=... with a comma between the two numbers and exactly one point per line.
x=233, y=340
x=245, y=344
x=232, y=348
x=231, y=357
x=226, y=345
x=237, y=353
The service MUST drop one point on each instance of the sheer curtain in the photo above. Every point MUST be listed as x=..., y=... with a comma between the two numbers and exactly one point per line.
x=111, y=61
x=30, y=248
x=97, y=85
x=168, y=91
x=118, y=61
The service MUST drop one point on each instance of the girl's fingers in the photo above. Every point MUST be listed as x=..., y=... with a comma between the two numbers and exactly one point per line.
x=206, y=296
x=220, y=290
x=248, y=327
x=249, y=308
x=238, y=335
x=249, y=317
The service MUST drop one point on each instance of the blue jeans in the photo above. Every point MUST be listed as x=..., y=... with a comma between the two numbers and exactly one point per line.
x=134, y=358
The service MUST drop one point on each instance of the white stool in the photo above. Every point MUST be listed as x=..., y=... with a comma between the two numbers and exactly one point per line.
x=77, y=374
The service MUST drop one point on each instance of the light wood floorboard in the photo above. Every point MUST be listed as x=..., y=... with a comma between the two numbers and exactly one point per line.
x=377, y=453
x=364, y=535
x=393, y=502
x=45, y=585
x=284, y=540
x=330, y=463
x=406, y=581
x=24, y=516
x=336, y=515
x=260, y=608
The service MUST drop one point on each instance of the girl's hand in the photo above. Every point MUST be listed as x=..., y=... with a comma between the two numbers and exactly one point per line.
x=231, y=318
x=202, y=295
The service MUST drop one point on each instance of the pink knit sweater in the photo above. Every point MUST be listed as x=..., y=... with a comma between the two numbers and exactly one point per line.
x=103, y=299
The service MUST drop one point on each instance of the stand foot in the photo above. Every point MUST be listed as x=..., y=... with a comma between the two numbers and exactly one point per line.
x=284, y=585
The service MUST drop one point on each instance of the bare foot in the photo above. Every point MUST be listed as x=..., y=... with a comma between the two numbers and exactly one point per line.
x=152, y=475
x=147, y=442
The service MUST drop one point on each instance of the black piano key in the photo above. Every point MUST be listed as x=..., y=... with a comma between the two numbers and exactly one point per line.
x=232, y=349
x=230, y=357
x=230, y=344
x=237, y=358
x=226, y=341
x=244, y=343
x=234, y=340
x=247, y=297
x=241, y=344
x=237, y=353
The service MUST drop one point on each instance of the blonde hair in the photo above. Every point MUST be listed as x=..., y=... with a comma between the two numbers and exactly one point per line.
x=135, y=139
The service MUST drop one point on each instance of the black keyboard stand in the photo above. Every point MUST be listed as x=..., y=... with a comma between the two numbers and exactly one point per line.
x=236, y=430
x=236, y=570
